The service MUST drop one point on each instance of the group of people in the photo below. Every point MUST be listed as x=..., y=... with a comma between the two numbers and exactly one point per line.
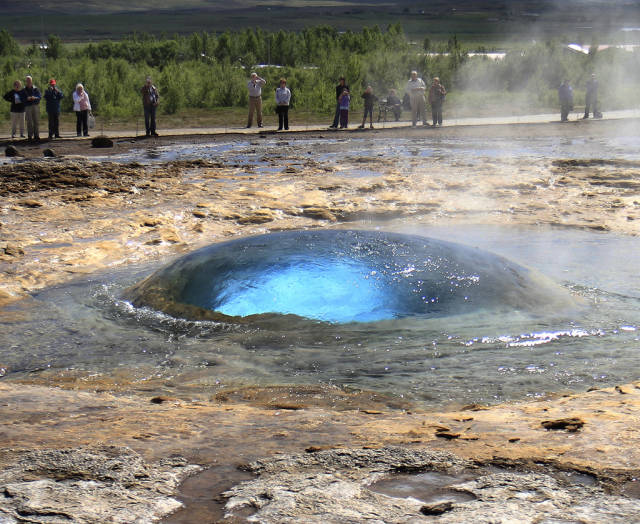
x=25, y=106
x=565, y=95
x=415, y=90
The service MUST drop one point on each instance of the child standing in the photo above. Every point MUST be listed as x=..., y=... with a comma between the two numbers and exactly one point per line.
x=344, y=100
x=369, y=100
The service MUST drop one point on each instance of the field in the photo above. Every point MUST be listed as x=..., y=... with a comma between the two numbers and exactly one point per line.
x=485, y=23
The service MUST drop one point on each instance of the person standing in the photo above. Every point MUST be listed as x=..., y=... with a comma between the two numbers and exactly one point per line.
x=255, y=85
x=283, y=97
x=53, y=95
x=591, y=100
x=565, y=95
x=150, y=101
x=344, y=100
x=17, y=108
x=415, y=89
x=342, y=85
x=437, y=93
x=82, y=106
x=369, y=101
x=31, y=97
x=394, y=104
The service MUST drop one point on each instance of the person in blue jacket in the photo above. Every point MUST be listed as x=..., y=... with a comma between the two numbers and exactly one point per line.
x=31, y=97
x=53, y=95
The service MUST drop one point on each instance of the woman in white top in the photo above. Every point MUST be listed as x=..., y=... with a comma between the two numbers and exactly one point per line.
x=283, y=96
x=81, y=106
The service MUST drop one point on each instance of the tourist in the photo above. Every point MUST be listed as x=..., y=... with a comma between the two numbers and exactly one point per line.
x=31, y=97
x=591, y=99
x=53, y=95
x=82, y=106
x=344, y=100
x=369, y=101
x=342, y=85
x=415, y=89
x=255, y=85
x=437, y=93
x=17, y=108
x=565, y=94
x=150, y=100
x=394, y=104
x=283, y=97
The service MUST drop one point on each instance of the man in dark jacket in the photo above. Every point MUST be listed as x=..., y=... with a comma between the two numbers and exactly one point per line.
x=591, y=100
x=31, y=97
x=565, y=94
x=53, y=95
x=342, y=85
x=150, y=101
x=17, y=108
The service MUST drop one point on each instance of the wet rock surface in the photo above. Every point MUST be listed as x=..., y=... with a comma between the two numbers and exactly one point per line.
x=334, y=486
x=87, y=485
x=63, y=217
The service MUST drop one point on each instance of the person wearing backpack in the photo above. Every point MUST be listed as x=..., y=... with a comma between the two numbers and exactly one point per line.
x=437, y=93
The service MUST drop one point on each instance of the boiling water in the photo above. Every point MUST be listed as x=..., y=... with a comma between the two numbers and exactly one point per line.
x=86, y=329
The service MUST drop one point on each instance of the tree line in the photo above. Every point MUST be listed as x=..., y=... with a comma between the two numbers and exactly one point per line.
x=207, y=71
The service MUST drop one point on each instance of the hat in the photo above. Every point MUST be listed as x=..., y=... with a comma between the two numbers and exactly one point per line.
x=52, y=81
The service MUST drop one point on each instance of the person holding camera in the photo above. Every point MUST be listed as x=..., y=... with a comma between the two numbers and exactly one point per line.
x=150, y=101
x=53, y=95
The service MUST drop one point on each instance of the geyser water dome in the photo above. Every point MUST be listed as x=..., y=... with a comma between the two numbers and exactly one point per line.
x=341, y=276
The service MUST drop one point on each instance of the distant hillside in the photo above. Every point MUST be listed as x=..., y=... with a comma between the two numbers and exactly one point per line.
x=484, y=21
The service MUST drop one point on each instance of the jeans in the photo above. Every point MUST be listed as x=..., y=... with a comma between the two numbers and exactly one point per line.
x=82, y=122
x=150, y=119
x=336, y=117
x=436, y=112
x=54, y=124
x=283, y=117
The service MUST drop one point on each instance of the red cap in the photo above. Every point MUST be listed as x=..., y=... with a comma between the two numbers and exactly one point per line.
x=52, y=81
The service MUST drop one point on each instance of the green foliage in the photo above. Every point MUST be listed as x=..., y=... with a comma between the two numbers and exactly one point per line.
x=205, y=71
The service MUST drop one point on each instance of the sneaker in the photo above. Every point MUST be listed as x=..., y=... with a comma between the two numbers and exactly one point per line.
x=333, y=127
x=361, y=126
x=58, y=136
x=21, y=136
x=259, y=125
x=154, y=134
x=286, y=129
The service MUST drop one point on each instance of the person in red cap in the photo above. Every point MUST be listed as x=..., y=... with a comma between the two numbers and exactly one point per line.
x=53, y=95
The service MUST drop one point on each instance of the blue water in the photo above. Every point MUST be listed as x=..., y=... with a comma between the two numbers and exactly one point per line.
x=331, y=290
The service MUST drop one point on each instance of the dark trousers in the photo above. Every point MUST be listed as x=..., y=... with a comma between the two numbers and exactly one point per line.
x=368, y=111
x=283, y=117
x=344, y=117
x=336, y=117
x=82, y=122
x=54, y=125
x=565, y=108
x=436, y=113
x=591, y=103
x=150, y=119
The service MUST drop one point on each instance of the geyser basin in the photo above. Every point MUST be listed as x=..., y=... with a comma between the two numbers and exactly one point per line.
x=341, y=276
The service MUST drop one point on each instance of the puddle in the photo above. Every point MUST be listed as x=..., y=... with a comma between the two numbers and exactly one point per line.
x=201, y=496
x=430, y=487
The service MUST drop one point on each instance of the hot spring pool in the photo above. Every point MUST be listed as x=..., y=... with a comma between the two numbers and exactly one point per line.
x=467, y=348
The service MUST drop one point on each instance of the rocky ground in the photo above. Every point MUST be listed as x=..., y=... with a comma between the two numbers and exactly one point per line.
x=69, y=215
